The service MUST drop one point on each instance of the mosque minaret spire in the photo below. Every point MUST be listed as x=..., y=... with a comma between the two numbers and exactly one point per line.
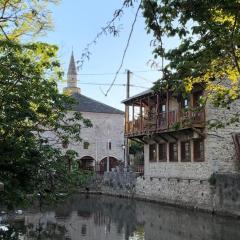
x=72, y=77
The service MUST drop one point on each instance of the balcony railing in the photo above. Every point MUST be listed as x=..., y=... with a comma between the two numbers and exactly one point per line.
x=164, y=121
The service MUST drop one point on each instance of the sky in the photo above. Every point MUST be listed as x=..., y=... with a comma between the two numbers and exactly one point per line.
x=76, y=23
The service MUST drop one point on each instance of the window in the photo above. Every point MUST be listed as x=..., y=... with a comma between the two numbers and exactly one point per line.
x=162, y=152
x=152, y=153
x=162, y=108
x=197, y=99
x=173, y=152
x=109, y=145
x=84, y=229
x=185, y=103
x=198, y=150
x=85, y=145
x=185, y=152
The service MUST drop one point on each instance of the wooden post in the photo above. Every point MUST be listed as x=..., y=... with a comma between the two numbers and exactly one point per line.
x=167, y=109
x=133, y=122
x=141, y=117
x=157, y=112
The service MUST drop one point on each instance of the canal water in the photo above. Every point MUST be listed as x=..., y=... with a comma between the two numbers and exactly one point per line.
x=98, y=217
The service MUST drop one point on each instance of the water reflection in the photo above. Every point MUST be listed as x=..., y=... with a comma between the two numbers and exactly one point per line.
x=109, y=218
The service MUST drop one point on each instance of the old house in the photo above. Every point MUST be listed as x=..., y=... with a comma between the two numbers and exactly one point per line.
x=181, y=154
x=102, y=144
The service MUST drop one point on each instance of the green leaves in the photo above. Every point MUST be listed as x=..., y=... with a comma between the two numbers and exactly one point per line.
x=34, y=124
x=208, y=39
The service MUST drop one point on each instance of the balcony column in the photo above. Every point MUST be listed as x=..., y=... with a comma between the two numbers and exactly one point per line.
x=126, y=119
x=157, y=112
x=133, y=117
x=141, y=118
x=167, y=108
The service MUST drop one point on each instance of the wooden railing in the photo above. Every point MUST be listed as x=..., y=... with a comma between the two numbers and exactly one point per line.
x=164, y=121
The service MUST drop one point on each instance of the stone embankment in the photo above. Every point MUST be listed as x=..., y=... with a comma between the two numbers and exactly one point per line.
x=220, y=194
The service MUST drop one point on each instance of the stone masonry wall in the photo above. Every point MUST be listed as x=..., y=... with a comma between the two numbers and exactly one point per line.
x=219, y=146
x=105, y=127
x=183, y=192
x=227, y=198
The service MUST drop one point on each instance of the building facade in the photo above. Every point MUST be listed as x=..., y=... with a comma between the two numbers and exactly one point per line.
x=181, y=154
x=102, y=145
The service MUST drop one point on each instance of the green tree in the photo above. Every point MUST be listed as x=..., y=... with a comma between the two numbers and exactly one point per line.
x=20, y=18
x=207, y=53
x=34, y=124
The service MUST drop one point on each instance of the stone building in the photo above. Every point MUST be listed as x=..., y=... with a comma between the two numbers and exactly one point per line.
x=182, y=156
x=103, y=142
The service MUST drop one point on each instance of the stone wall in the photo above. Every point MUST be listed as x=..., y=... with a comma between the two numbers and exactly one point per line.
x=219, y=146
x=220, y=194
x=227, y=198
x=119, y=183
x=105, y=127
x=184, y=192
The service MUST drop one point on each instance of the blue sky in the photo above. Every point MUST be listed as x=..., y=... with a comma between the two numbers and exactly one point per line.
x=76, y=23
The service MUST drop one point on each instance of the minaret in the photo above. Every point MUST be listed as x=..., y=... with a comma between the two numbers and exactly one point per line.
x=72, y=78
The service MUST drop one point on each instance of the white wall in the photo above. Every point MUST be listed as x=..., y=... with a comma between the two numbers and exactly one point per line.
x=105, y=127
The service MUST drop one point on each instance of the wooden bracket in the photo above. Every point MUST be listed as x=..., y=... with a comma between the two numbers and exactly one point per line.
x=175, y=138
x=199, y=132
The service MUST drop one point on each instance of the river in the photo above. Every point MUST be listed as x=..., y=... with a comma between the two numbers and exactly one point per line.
x=98, y=217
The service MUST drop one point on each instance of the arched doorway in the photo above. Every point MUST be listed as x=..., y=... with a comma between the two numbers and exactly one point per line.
x=86, y=163
x=113, y=162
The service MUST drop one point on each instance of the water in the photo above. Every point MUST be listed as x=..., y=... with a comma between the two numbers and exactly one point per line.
x=107, y=218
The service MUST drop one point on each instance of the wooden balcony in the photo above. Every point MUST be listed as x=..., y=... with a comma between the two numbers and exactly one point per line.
x=164, y=122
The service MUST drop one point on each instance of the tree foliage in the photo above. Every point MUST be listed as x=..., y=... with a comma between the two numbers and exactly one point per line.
x=34, y=124
x=207, y=53
x=20, y=18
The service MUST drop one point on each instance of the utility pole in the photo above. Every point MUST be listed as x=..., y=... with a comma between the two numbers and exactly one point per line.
x=126, y=162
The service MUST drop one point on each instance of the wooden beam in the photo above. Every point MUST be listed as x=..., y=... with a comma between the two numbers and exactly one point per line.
x=175, y=138
x=163, y=138
x=199, y=132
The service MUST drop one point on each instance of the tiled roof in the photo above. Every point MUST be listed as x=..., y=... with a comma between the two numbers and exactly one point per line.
x=86, y=104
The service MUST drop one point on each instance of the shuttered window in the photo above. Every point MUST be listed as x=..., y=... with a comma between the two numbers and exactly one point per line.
x=198, y=150
x=173, y=152
x=162, y=152
x=185, y=151
x=152, y=153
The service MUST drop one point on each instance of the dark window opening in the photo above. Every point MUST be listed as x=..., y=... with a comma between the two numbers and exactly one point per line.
x=185, y=103
x=198, y=150
x=109, y=145
x=185, y=152
x=85, y=145
x=173, y=152
x=162, y=150
x=84, y=230
x=197, y=99
x=152, y=153
x=162, y=108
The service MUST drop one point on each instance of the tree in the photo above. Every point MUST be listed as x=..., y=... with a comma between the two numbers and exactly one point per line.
x=20, y=18
x=208, y=52
x=32, y=110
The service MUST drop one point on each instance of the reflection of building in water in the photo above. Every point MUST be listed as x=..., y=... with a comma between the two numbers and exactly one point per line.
x=108, y=218
x=74, y=226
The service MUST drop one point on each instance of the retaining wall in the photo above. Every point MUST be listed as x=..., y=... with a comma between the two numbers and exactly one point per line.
x=220, y=195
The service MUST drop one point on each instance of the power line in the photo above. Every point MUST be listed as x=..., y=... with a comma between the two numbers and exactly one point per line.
x=108, y=84
x=125, y=50
x=113, y=73
x=143, y=78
